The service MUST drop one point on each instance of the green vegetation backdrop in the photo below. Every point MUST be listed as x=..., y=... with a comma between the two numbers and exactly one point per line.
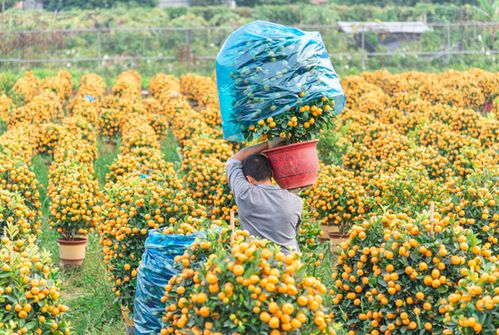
x=223, y=16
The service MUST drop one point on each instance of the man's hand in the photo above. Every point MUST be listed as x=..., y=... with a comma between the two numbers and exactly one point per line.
x=275, y=142
x=246, y=152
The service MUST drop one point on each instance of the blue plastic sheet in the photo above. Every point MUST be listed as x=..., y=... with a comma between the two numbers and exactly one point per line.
x=157, y=267
x=261, y=70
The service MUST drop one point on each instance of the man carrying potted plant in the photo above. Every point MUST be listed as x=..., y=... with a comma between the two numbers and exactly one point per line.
x=265, y=210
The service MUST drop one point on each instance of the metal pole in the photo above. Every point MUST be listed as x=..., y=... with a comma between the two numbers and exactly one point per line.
x=189, y=45
x=363, y=46
x=448, y=43
x=3, y=15
x=99, y=49
x=18, y=44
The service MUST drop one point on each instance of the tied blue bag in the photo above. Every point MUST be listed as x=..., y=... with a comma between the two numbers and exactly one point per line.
x=263, y=67
x=157, y=267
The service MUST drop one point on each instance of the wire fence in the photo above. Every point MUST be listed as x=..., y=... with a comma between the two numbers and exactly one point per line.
x=442, y=43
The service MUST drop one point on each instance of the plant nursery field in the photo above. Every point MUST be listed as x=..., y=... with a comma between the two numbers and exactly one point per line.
x=409, y=173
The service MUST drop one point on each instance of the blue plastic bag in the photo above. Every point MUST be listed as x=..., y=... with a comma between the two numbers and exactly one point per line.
x=263, y=67
x=156, y=269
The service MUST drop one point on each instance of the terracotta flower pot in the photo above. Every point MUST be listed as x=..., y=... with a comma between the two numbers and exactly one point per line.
x=336, y=237
x=325, y=230
x=128, y=318
x=295, y=165
x=72, y=252
x=488, y=106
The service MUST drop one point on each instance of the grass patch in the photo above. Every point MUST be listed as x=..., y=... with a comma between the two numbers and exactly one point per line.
x=86, y=290
x=40, y=165
x=107, y=154
x=169, y=148
x=3, y=126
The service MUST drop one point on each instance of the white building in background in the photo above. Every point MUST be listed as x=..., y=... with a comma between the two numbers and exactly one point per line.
x=28, y=4
x=177, y=3
x=173, y=3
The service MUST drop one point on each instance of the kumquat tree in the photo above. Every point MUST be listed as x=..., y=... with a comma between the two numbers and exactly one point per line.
x=116, y=213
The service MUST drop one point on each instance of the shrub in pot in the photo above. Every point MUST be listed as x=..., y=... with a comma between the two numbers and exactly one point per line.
x=17, y=178
x=401, y=285
x=243, y=285
x=29, y=288
x=74, y=208
x=338, y=199
x=278, y=82
x=13, y=211
x=296, y=164
x=474, y=203
x=474, y=305
x=132, y=206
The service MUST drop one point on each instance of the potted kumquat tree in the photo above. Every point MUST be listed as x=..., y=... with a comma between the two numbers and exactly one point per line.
x=278, y=82
x=242, y=285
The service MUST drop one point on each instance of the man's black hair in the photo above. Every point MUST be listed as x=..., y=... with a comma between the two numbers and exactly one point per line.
x=258, y=167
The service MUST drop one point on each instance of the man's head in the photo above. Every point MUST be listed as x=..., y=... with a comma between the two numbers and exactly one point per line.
x=257, y=169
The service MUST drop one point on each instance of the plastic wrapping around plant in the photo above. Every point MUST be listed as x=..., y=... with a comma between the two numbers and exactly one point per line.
x=156, y=269
x=265, y=69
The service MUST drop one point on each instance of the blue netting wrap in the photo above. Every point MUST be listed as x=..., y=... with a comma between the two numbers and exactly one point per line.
x=261, y=70
x=156, y=269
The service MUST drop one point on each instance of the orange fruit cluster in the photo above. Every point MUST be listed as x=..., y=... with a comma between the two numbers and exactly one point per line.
x=26, y=87
x=474, y=304
x=40, y=100
x=18, y=142
x=162, y=84
x=337, y=198
x=142, y=192
x=44, y=107
x=128, y=84
x=5, y=104
x=300, y=123
x=48, y=137
x=239, y=285
x=16, y=177
x=14, y=211
x=60, y=84
x=73, y=188
x=395, y=273
x=113, y=110
x=29, y=288
x=475, y=205
x=204, y=152
x=201, y=90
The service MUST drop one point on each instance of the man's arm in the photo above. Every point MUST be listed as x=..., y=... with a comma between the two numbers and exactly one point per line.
x=246, y=152
x=237, y=181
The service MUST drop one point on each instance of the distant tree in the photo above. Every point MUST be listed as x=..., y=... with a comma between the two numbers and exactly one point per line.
x=207, y=2
x=91, y=4
x=490, y=8
x=245, y=3
x=253, y=3
x=403, y=2
x=8, y=4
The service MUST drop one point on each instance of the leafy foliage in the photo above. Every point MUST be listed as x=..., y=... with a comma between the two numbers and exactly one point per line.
x=90, y=4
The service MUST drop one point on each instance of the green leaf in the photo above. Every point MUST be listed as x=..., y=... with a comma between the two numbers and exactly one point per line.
x=30, y=325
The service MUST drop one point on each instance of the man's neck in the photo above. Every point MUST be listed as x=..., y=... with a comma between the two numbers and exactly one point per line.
x=265, y=182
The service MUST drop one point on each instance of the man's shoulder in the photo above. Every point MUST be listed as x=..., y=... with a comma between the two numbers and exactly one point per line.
x=295, y=199
x=232, y=167
x=232, y=162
